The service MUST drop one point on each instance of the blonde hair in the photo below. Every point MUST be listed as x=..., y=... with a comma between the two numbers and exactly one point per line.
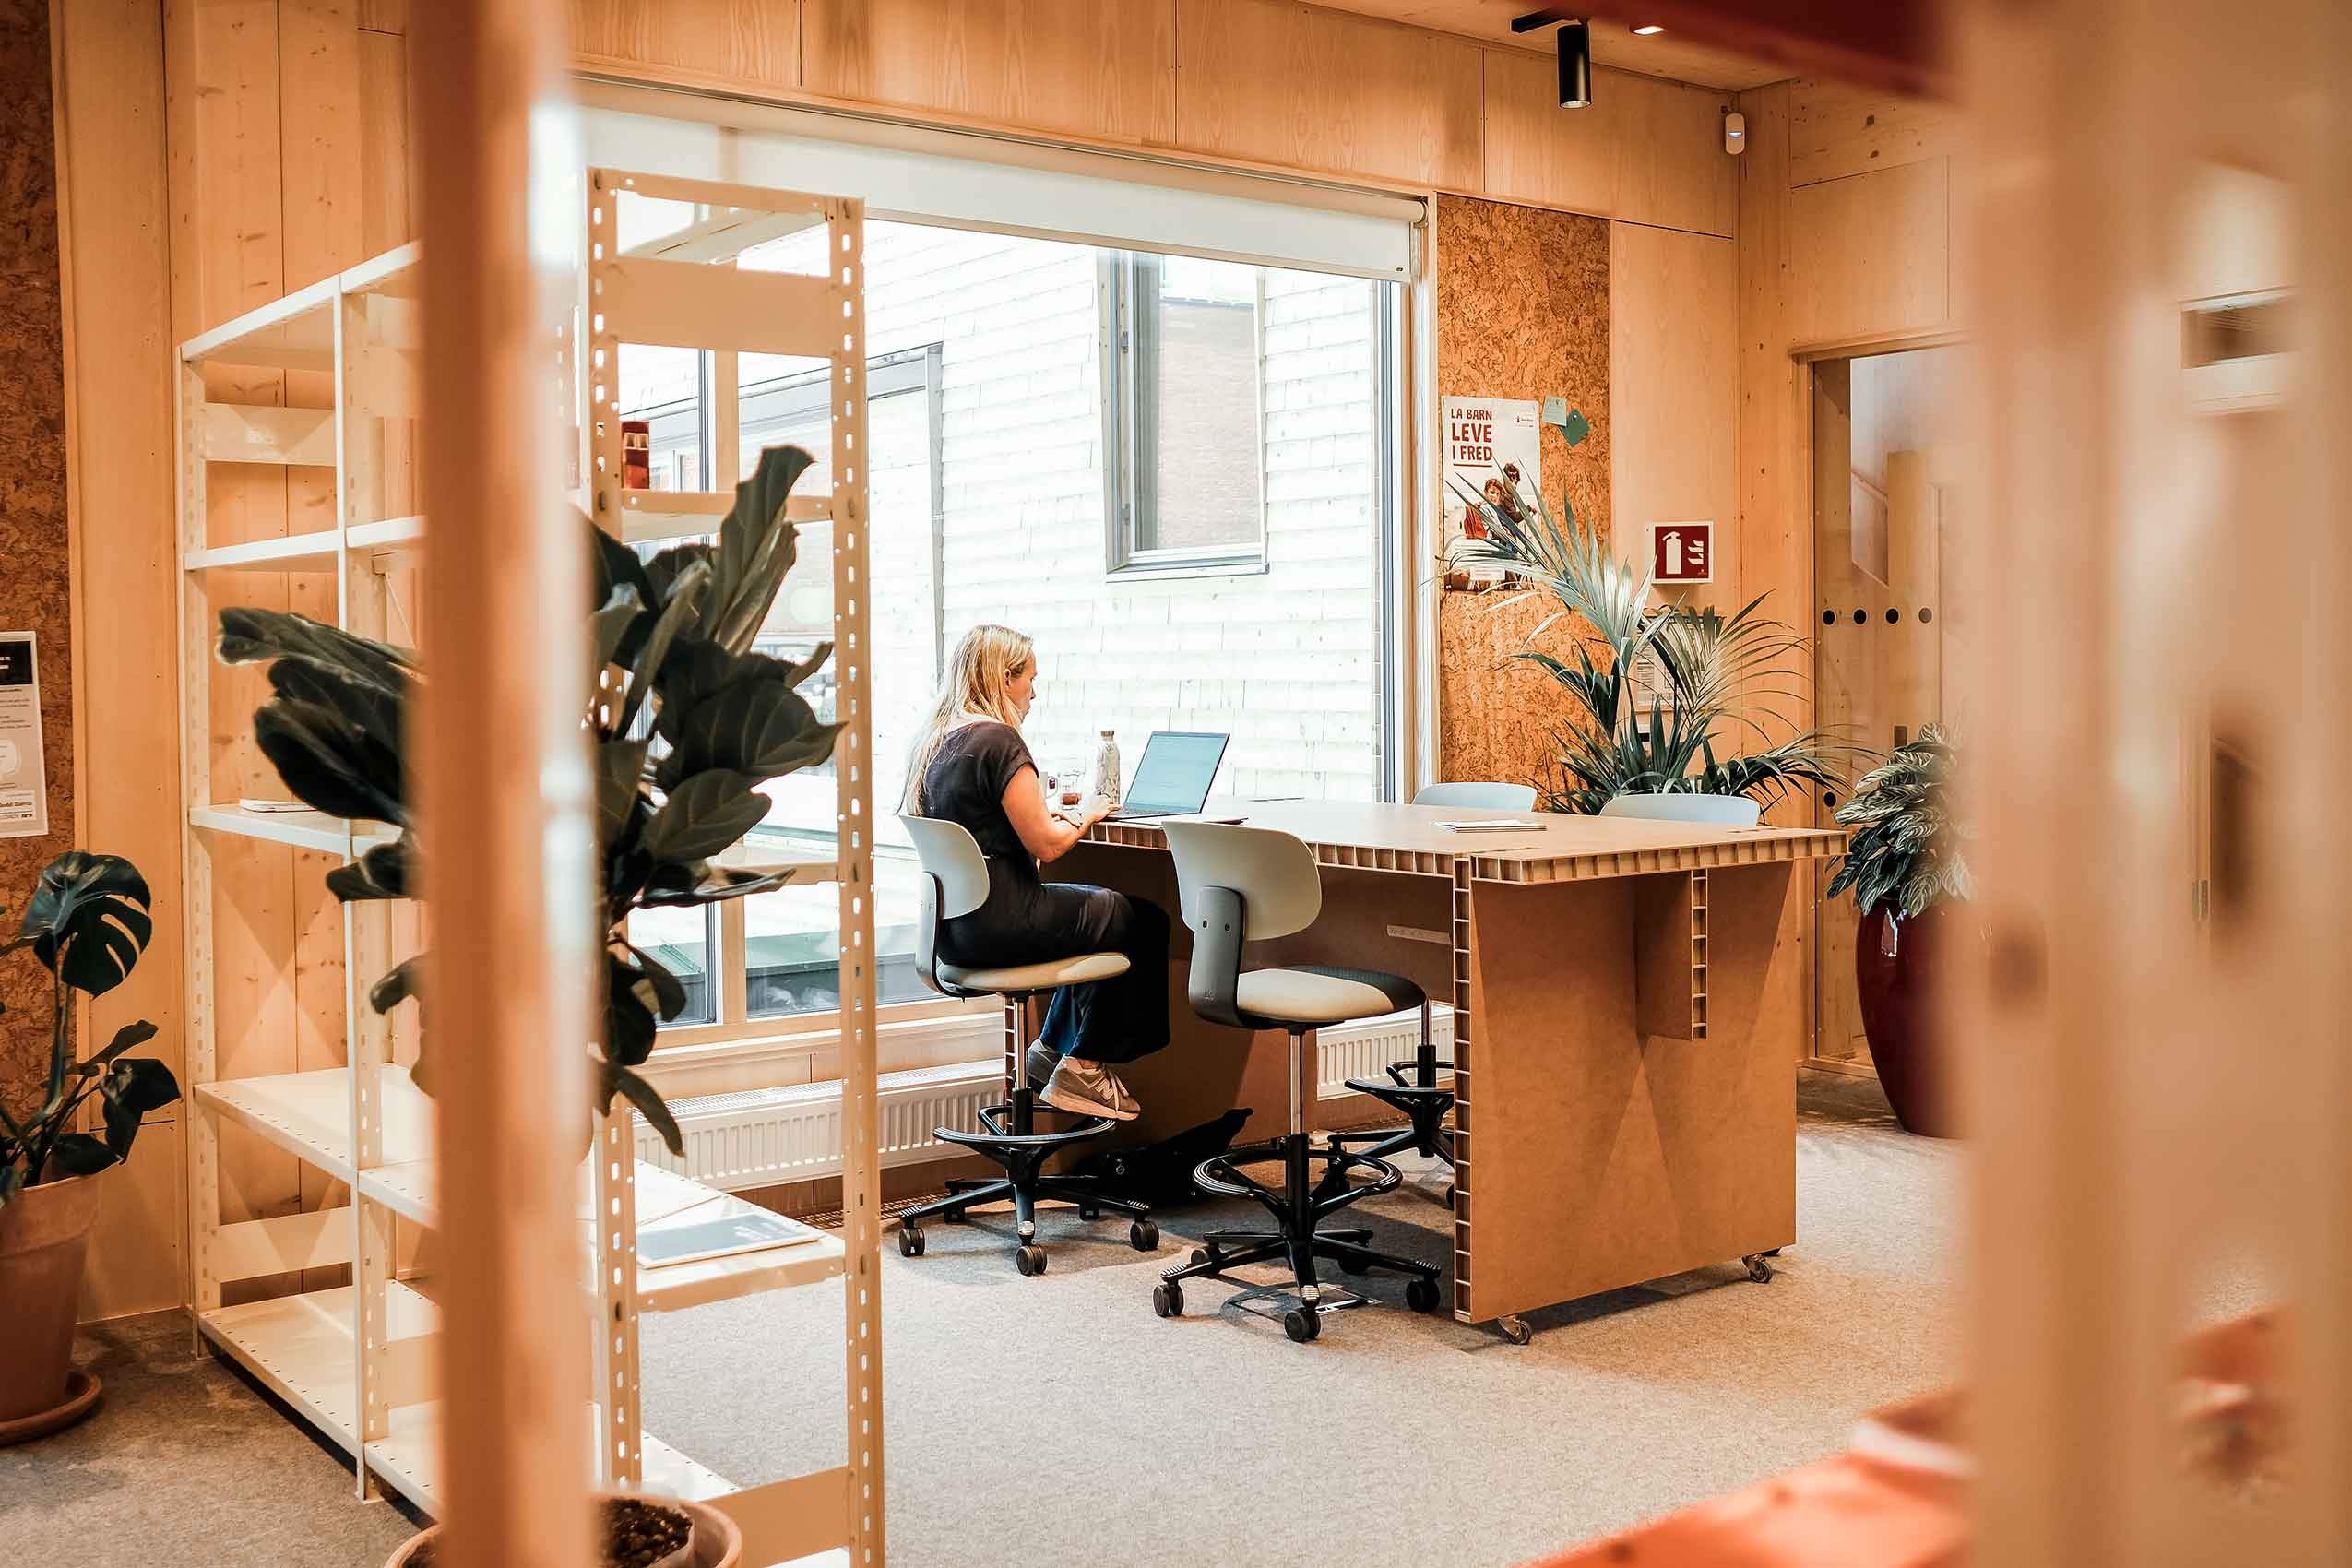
x=987, y=660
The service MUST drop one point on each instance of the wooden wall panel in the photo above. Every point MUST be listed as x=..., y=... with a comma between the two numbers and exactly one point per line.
x=1871, y=253
x=1067, y=65
x=115, y=281
x=754, y=42
x=1646, y=151
x=1522, y=310
x=1835, y=130
x=1277, y=82
x=1674, y=390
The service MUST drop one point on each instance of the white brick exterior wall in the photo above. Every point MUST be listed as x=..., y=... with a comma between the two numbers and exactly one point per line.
x=1286, y=659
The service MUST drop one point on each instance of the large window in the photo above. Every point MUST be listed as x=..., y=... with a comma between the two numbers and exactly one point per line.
x=1228, y=429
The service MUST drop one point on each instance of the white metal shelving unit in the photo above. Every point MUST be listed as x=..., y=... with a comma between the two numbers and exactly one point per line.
x=359, y=1360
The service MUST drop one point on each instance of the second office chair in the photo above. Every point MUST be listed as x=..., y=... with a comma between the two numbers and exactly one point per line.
x=1242, y=884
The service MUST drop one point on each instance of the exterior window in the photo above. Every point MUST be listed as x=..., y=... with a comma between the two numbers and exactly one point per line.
x=1184, y=415
x=1231, y=432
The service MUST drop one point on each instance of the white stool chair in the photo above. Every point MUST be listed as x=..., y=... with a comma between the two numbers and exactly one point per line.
x=956, y=883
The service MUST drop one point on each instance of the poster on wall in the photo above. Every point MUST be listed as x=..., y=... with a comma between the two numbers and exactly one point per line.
x=24, y=788
x=1493, y=449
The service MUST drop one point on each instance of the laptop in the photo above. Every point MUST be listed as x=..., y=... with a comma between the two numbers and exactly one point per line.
x=1179, y=766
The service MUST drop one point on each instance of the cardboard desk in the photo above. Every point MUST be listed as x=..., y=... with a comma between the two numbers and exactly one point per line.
x=1625, y=1075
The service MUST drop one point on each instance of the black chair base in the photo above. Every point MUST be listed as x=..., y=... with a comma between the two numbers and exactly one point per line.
x=1010, y=1137
x=1298, y=1207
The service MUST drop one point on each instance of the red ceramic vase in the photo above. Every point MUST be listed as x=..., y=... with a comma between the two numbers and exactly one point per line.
x=1898, y=965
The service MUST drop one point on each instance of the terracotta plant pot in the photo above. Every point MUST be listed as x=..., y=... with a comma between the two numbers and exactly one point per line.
x=44, y=1231
x=1897, y=966
x=716, y=1541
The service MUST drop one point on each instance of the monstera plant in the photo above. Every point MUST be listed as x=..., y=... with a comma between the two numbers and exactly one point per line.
x=686, y=721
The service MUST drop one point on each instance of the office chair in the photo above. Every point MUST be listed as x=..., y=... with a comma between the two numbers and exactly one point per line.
x=1719, y=811
x=1425, y=1102
x=956, y=883
x=1478, y=796
x=1242, y=884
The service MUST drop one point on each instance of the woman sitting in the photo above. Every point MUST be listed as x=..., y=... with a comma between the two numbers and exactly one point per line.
x=969, y=766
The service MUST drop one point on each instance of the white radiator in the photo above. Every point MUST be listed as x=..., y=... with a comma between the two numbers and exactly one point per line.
x=766, y=1137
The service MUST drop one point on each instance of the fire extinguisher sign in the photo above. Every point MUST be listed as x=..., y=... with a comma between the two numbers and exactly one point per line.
x=1682, y=553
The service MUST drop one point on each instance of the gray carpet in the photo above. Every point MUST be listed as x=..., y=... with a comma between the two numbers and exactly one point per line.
x=1057, y=1421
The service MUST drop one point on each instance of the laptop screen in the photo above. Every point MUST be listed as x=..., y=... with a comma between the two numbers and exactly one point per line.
x=1173, y=779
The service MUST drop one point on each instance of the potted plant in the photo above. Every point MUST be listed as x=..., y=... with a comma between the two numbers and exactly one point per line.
x=1707, y=671
x=634, y=1531
x=686, y=721
x=1905, y=871
x=87, y=923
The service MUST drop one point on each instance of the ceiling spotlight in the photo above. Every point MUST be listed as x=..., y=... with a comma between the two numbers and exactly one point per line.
x=1575, y=52
x=1575, y=65
x=1647, y=28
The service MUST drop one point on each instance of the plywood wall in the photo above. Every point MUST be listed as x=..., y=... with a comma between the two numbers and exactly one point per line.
x=34, y=552
x=1269, y=83
x=1523, y=311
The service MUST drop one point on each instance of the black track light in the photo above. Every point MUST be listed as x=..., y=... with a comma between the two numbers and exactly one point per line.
x=1575, y=65
x=1575, y=52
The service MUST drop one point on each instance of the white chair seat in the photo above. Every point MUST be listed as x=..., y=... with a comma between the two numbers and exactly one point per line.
x=1076, y=969
x=1321, y=994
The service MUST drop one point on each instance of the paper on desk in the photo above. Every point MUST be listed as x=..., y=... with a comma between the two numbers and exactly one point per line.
x=1492, y=824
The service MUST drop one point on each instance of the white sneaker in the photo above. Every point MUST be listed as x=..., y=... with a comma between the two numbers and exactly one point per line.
x=1088, y=1089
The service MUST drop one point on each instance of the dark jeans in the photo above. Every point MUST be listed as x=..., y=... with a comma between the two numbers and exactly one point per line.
x=1026, y=921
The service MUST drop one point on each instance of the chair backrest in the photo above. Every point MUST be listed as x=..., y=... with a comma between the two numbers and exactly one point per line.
x=1274, y=874
x=1720, y=811
x=951, y=854
x=1478, y=796
x=955, y=882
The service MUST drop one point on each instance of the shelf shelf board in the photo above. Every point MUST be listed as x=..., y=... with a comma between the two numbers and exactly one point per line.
x=296, y=332
x=648, y=517
x=299, y=1348
x=393, y=273
x=308, y=1115
x=294, y=551
x=304, y=830
x=392, y=533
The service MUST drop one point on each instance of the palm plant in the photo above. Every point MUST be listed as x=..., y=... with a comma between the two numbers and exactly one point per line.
x=87, y=922
x=1906, y=851
x=686, y=721
x=1713, y=672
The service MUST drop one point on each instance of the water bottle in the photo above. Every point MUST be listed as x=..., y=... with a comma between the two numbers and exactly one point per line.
x=1106, y=767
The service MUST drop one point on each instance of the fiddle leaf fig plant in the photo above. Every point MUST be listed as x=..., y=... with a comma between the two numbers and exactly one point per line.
x=686, y=721
x=1905, y=853
x=87, y=923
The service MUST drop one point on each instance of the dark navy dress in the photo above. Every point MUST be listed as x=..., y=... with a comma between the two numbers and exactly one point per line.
x=1029, y=921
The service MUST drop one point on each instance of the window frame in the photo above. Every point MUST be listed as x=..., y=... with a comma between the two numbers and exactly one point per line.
x=1127, y=291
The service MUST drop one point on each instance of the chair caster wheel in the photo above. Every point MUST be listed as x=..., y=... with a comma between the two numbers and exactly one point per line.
x=1199, y=1257
x=1758, y=1268
x=1089, y=1213
x=1421, y=1294
x=957, y=1217
x=1029, y=1260
x=1351, y=1266
x=1143, y=1235
x=911, y=1242
x=1302, y=1324
x=1449, y=1195
x=1168, y=1300
x=1515, y=1330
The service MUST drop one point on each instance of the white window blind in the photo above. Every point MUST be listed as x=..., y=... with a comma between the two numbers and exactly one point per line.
x=965, y=180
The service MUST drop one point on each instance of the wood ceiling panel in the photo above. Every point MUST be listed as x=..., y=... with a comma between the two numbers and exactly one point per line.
x=1613, y=43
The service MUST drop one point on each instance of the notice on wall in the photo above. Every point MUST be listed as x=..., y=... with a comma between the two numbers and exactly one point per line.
x=24, y=788
x=1682, y=553
x=1493, y=451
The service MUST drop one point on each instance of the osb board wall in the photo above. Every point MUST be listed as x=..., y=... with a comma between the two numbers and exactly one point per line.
x=34, y=550
x=1522, y=312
